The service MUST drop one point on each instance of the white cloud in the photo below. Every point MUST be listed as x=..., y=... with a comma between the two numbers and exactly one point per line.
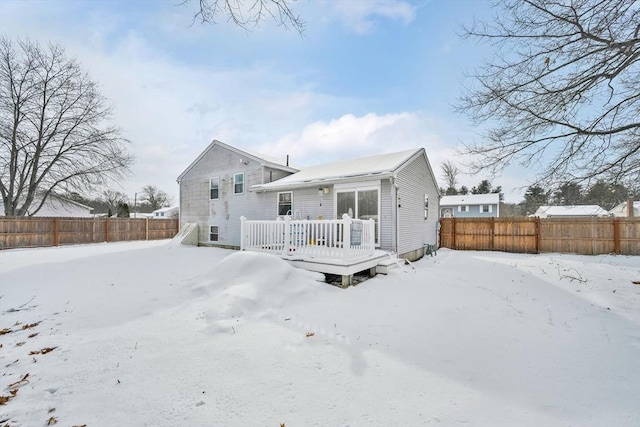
x=361, y=16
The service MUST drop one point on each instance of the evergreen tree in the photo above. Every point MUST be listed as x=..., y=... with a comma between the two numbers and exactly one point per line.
x=534, y=197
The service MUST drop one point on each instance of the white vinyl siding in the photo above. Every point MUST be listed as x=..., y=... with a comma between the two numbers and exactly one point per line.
x=415, y=180
x=195, y=192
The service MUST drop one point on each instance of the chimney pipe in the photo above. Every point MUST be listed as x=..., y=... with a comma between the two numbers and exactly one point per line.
x=287, y=160
x=629, y=207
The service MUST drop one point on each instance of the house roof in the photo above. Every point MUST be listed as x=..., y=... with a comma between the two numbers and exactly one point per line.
x=260, y=158
x=576, y=210
x=470, y=199
x=169, y=209
x=372, y=166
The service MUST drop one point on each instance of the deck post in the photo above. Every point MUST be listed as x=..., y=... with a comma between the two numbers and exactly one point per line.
x=372, y=239
x=347, y=280
x=242, y=236
x=287, y=235
x=346, y=238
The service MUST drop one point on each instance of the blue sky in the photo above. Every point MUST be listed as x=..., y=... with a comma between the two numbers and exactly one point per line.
x=370, y=76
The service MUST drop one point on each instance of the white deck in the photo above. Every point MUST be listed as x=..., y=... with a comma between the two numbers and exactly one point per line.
x=343, y=247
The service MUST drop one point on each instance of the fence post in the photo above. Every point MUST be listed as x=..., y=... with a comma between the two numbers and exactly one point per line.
x=106, y=230
x=537, y=234
x=56, y=237
x=453, y=233
x=242, y=236
x=146, y=228
x=493, y=233
x=616, y=235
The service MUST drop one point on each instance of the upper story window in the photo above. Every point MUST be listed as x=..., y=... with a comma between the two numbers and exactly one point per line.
x=238, y=183
x=285, y=203
x=486, y=208
x=426, y=207
x=214, y=188
x=463, y=208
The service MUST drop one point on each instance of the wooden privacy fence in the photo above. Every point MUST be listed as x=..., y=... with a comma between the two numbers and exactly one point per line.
x=587, y=236
x=29, y=232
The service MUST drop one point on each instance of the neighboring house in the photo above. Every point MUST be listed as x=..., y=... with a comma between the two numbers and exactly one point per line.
x=171, y=212
x=56, y=206
x=139, y=215
x=570, y=211
x=622, y=210
x=398, y=191
x=214, y=191
x=470, y=205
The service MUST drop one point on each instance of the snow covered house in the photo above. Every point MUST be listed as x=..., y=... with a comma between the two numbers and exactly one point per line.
x=163, y=213
x=622, y=210
x=575, y=211
x=55, y=206
x=391, y=203
x=470, y=205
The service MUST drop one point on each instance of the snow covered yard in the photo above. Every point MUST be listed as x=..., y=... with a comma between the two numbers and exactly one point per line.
x=154, y=334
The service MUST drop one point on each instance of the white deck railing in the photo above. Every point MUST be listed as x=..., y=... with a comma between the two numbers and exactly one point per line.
x=343, y=239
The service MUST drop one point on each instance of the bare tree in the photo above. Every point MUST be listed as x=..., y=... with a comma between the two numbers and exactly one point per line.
x=562, y=93
x=155, y=198
x=113, y=199
x=53, y=136
x=249, y=13
x=450, y=174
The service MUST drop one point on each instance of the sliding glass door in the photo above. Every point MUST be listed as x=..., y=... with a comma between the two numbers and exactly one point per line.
x=361, y=204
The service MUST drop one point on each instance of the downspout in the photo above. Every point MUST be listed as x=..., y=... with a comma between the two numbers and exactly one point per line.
x=394, y=186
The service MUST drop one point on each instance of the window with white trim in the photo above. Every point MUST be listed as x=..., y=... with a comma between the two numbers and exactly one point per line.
x=214, y=235
x=214, y=188
x=463, y=208
x=486, y=208
x=285, y=203
x=426, y=207
x=238, y=183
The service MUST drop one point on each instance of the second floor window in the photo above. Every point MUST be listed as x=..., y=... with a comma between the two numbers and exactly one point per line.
x=238, y=183
x=214, y=188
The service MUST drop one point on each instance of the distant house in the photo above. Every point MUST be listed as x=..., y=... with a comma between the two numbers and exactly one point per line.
x=55, y=206
x=570, y=211
x=171, y=212
x=397, y=191
x=622, y=210
x=470, y=205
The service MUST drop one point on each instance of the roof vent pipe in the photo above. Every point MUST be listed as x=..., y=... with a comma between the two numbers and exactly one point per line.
x=287, y=160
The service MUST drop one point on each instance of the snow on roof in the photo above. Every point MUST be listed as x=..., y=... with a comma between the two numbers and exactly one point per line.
x=576, y=210
x=470, y=199
x=168, y=209
x=367, y=166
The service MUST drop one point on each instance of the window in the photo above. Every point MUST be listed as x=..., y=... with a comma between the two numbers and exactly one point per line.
x=238, y=183
x=463, y=208
x=213, y=233
x=214, y=188
x=426, y=207
x=285, y=203
x=486, y=208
